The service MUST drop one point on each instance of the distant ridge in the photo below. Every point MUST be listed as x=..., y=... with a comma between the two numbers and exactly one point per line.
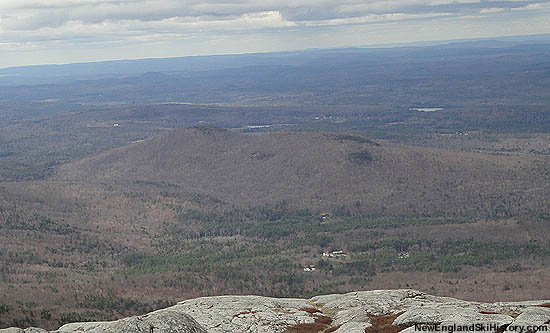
x=70, y=72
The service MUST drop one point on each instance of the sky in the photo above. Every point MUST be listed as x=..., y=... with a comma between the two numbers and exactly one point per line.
x=64, y=31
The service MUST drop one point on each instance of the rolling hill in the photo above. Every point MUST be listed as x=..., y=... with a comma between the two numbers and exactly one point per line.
x=325, y=169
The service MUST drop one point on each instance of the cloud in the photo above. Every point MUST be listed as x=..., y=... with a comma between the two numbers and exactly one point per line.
x=373, y=18
x=33, y=14
x=534, y=6
x=492, y=10
x=41, y=24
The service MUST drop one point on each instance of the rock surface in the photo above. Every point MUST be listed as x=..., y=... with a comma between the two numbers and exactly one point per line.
x=407, y=310
x=165, y=321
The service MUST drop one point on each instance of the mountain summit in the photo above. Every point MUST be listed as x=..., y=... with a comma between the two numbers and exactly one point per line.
x=367, y=311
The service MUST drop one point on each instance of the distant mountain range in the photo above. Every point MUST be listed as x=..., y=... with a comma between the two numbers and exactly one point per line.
x=66, y=73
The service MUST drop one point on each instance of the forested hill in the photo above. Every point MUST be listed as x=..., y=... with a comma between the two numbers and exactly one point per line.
x=317, y=169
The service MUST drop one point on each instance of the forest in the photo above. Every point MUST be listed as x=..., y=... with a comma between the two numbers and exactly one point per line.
x=419, y=167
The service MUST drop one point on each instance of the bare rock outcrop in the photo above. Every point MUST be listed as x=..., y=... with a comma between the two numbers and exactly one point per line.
x=162, y=321
x=247, y=313
x=367, y=311
x=20, y=330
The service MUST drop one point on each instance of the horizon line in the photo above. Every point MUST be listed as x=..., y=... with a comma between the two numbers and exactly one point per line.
x=423, y=43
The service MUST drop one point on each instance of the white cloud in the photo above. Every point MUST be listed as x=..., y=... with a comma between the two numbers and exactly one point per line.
x=492, y=10
x=534, y=6
x=33, y=14
x=373, y=18
x=114, y=25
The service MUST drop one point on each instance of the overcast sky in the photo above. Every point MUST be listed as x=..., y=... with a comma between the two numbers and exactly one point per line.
x=62, y=31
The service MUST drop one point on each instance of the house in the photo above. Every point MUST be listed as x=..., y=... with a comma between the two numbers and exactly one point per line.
x=324, y=217
x=334, y=254
x=403, y=255
x=338, y=254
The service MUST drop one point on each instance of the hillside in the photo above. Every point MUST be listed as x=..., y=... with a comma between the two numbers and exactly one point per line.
x=204, y=211
x=324, y=170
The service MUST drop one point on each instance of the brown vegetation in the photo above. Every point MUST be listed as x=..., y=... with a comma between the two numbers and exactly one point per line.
x=332, y=329
x=383, y=324
x=323, y=320
x=244, y=313
x=204, y=211
x=307, y=328
x=321, y=323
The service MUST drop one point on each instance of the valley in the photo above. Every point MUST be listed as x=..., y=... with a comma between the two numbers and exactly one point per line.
x=122, y=194
x=207, y=211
